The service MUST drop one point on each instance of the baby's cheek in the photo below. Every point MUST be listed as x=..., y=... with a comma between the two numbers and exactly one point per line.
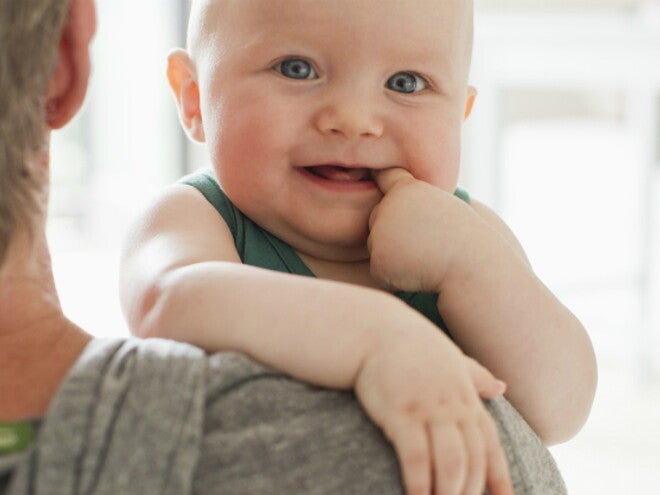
x=444, y=169
x=433, y=156
x=444, y=176
x=234, y=143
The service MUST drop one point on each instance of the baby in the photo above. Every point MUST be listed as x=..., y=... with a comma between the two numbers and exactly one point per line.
x=330, y=241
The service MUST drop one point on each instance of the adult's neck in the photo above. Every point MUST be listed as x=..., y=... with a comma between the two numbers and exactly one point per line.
x=38, y=344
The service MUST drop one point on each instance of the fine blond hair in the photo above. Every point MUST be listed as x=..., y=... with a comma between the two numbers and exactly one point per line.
x=29, y=35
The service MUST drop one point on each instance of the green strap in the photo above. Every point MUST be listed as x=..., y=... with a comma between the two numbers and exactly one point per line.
x=16, y=436
x=462, y=194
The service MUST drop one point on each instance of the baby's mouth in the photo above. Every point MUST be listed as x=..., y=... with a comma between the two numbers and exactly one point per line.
x=340, y=174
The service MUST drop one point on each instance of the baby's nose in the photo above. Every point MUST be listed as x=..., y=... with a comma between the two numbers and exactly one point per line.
x=350, y=117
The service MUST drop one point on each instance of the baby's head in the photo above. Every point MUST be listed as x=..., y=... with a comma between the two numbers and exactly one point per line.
x=299, y=99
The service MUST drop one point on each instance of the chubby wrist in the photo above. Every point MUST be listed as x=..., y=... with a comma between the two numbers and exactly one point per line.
x=399, y=322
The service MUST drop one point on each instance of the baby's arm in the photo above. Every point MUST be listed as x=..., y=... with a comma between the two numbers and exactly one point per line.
x=181, y=278
x=520, y=329
x=496, y=308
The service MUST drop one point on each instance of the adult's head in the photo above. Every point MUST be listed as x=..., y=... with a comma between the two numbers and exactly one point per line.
x=45, y=69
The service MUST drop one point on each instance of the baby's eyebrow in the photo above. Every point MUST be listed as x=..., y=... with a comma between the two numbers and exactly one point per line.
x=271, y=41
x=424, y=56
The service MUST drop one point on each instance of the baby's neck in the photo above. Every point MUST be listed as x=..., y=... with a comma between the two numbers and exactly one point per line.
x=355, y=272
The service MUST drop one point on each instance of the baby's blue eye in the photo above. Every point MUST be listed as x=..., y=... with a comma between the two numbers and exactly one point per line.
x=406, y=82
x=296, y=68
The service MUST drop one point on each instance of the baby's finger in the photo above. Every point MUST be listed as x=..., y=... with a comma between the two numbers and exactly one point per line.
x=412, y=447
x=386, y=179
x=450, y=459
x=498, y=479
x=475, y=480
x=483, y=380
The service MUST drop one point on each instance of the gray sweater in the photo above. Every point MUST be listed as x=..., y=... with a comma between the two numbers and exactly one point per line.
x=156, y=417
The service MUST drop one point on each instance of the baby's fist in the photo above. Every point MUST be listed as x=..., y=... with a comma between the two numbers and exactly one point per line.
x=412, y=237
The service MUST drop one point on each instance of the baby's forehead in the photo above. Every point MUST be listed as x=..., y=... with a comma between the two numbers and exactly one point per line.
x=201, y=10
x=208, y=18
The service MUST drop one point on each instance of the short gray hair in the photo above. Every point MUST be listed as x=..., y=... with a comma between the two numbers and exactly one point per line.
x=29, y=36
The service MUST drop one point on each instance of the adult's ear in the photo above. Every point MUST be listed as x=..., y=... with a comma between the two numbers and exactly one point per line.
x=68, y=84
x=182, y=77
x=469, y=102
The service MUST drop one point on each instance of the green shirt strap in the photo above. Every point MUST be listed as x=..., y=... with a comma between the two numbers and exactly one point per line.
x=463, y=194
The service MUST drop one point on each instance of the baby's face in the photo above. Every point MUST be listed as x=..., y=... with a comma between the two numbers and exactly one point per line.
x=301, y=99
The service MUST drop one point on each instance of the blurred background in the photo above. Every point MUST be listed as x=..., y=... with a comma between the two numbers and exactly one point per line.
x=564, y=142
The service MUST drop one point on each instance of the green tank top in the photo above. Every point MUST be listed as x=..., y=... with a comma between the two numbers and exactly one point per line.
x=258, y=247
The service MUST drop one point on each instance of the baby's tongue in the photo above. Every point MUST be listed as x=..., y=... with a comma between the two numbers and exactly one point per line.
x=334, y=172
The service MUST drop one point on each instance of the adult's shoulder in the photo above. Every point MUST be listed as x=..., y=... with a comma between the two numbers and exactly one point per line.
x=127, y=419
x=164, y=414
x=267, y=433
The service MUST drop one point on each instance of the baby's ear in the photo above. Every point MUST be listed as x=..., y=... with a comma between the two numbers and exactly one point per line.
x=183, y=82
x=469, y=102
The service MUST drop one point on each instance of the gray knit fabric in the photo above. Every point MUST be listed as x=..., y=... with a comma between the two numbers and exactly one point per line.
x=159, y=417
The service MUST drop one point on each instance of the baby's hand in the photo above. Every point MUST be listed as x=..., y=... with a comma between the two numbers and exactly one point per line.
x=424, y=394
x=416, y=232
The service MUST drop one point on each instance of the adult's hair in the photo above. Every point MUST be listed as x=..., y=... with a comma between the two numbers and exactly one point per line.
x=29, y=37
